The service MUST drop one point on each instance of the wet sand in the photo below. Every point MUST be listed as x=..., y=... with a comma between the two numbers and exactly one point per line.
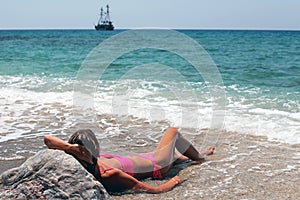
x=249, y=167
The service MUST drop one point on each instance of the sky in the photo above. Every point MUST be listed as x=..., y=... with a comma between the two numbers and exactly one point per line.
x=173, y=14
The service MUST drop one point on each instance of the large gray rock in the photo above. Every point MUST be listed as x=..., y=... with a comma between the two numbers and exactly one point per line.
x=50, y=174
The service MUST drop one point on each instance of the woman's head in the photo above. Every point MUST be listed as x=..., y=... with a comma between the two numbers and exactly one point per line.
x=86, y=138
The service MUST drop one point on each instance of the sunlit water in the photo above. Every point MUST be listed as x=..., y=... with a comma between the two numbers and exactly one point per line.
x=38, y=69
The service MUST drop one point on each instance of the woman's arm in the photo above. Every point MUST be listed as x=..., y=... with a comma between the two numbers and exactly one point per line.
x=160, y=188
x=132, y=183
x=53, y=142
x=79, y=151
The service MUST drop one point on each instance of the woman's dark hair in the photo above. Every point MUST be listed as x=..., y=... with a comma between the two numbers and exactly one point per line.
x=87, y=138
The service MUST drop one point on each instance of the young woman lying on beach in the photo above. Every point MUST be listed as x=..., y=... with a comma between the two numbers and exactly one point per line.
x=119, y=173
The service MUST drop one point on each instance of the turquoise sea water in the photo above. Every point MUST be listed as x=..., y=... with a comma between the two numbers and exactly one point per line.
x=260, y=71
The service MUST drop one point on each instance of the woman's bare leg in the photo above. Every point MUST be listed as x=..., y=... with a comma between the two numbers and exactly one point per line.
x=181, y=158
x=187, y=149
x=165, y=152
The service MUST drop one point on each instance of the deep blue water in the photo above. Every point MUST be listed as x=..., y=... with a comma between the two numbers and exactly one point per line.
x=259, y=58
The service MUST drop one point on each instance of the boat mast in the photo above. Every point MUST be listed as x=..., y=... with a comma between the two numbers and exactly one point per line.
x=107, y=17
x=101, y=16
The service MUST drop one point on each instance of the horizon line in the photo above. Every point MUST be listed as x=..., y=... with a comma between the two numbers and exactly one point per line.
x=136, y=28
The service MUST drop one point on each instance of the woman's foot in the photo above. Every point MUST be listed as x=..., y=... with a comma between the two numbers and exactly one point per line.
x=209, y=151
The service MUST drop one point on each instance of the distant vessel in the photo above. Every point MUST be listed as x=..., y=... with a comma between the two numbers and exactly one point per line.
x=104, y=22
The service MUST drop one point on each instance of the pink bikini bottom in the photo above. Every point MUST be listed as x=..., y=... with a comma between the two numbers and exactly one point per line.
x=127, y=165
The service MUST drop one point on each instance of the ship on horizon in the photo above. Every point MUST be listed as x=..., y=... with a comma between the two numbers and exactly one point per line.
x=104, y=22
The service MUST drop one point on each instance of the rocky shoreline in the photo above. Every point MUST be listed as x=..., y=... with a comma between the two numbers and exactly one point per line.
x=50, y=174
